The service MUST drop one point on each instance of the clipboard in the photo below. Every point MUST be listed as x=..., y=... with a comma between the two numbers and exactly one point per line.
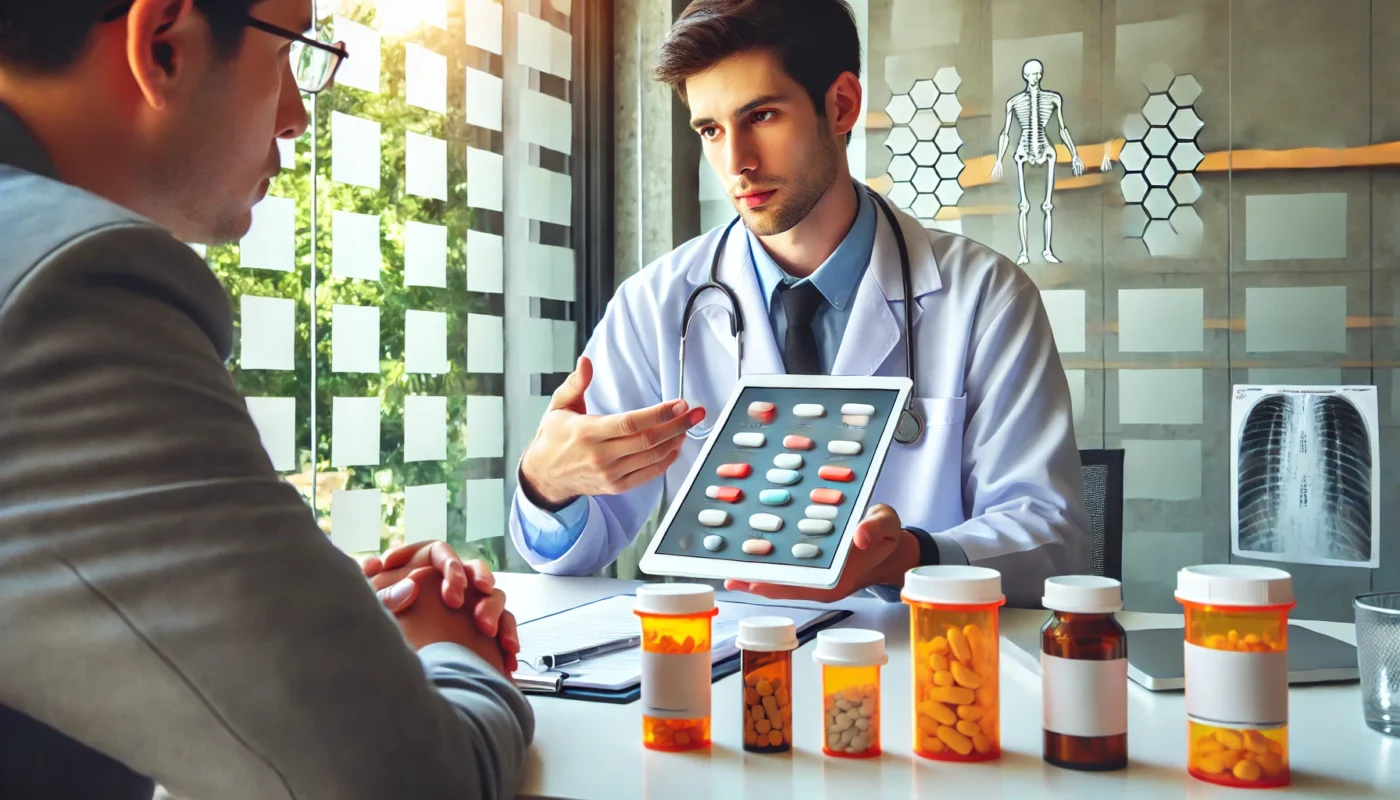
x=555, y=683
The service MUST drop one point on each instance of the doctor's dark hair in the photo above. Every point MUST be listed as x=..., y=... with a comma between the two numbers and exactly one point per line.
x=44, y=37
x=816, y=40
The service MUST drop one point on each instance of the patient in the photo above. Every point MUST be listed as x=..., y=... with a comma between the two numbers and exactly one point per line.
x=169, y=609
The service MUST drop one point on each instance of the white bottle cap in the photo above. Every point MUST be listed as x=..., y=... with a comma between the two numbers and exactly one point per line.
x=1083, y=594
x=674, y=599
x=952, y=585
x=1234, y=585
x=767, y=634
x=851, y=647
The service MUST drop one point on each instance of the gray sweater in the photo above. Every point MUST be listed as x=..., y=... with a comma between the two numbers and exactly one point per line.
x=169, y=609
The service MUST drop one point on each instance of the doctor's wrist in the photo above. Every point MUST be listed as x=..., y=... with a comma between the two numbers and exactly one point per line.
x=537, y=494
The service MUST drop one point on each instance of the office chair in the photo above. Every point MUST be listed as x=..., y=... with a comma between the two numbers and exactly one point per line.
x=1103, y=500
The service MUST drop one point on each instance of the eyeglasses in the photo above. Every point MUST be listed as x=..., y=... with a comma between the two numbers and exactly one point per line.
x=314, y=61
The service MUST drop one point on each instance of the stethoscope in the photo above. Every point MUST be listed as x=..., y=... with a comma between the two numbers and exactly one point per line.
x=911, y=425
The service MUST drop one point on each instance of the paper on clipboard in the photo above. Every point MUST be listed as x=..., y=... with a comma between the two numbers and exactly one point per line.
x=1305, y=474
x=612, y=618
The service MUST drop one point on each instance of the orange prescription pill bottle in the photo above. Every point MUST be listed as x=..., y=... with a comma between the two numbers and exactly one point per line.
x=1084, y=674
x=851, y=659
x=1236, y=673
x=767, y=644
x=953, y=636
x=676, y=672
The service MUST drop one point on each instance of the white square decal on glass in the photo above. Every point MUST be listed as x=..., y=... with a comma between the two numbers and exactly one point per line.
x=425, y=342
x=268, y=325
x=355, y=431
x=354, y=339
x=362, y=69
x=425, y=513
x=355, y=246
x=1162, y=469
x=546, y=195
x=486, y=509
x=1161, y=396
x=485, y=426
x=485, y=343
x=485, y=179
x=546, y=121
x=356, y=520
x=354, y=150
x=1065, y=307
x=484, y=99
x=1295, y=319
x=1161, y=320
x=425, y=74
x=424, y=254
x=483, y=22
x=485, y=262
x=427, y=166
x=271, y=240
x=538, y=346
x=275, y=419
x=287, y=153
x=424, y=428
x=565, y=342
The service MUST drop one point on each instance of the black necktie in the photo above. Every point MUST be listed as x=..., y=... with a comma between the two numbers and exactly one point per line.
x=800, y=304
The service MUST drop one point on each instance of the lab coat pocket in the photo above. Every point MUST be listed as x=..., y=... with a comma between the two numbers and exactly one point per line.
x=922, y=481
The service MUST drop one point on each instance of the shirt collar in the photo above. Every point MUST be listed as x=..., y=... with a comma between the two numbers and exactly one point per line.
x=20, y=148
x=838, y=277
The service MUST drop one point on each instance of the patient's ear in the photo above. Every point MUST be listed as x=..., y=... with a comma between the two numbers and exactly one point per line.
x=167, y=49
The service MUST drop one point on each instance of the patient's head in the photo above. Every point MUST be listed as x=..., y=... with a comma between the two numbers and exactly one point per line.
x=169, y=107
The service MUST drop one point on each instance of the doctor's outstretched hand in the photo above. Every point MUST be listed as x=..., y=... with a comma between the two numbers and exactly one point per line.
x=881, y=552
x=577, y=454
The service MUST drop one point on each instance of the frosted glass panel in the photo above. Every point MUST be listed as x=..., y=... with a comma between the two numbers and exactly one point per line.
x=484, y=99
x=546, y=121
x=1065, y=307
x=485, y=426
x=355, y=251
x=1161, y=320
x=427, y=166
x=546, y=195
x=484, y=25
x=271, y=241
x=1309, y=319
x=425, y=342
x=544, y=47
x=1162, y=469
x=425, y=254
x=485, y=343
x=486, y=509
x=275, y=418
x=425, y=513
x=354, y=150
x=485, y=179
x=356, y=520
x=354, y=431
x=1160, y=396
x=1282, y=227
x=425, y=74
x=354, y=339
x=362, y=69
x=485, y=258
x=1075, y=378
x=269, y=332
x=424, y=428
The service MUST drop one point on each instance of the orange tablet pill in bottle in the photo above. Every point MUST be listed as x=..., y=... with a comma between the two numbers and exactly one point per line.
x=1236, y=673
x=676, y=667
x=851, y=659
x=766, y=644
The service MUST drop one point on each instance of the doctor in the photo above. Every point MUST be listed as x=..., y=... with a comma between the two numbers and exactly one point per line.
x=773, y=92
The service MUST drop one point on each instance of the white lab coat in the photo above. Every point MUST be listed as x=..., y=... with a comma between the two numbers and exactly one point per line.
x=997, y=469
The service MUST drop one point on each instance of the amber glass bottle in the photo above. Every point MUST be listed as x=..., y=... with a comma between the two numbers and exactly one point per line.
x=1084, y=667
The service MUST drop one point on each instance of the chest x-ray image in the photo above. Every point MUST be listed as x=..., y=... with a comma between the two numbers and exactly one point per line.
x=1305, y=474
x=1033, y=109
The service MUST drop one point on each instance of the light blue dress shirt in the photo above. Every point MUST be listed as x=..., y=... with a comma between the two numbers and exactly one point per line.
x=837, y=279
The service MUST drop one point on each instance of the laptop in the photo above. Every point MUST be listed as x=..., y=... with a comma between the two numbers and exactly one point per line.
x=1155, y=657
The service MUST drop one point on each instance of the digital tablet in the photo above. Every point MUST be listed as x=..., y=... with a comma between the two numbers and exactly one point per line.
x=782, y=481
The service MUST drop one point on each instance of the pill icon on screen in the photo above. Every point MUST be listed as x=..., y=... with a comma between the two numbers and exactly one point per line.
x=724, y=494
x=842, y=447
x=787, y=461
x=815, y=527
x=834, y=473
x=734, y=471
x=783, y=477
x=766, y=522
x=829, y=497
x=858, y=410
x=821, y=512
x=795, y=442
x=805, y=550
x=808, y=410
x=749, y=439
x=714, y=518
x=762, y=411
x=774, y=497
x=757, y=547
x=714, y=543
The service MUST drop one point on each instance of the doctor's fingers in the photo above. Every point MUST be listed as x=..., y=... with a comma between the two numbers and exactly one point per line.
x=652, y=425
x=635, y=470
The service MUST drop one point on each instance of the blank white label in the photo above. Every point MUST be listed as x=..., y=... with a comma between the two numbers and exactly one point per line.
x=485, y=179
x=362, y=69
x=275, y=418
x=486, y=509
x=271, y=241
x=485, y=343
x=354, y=150
x=427, y=166
x=485, y=426
x=1065, y=308
x=1236, y=689
x=356, y=520
x=484, y=99
x=354, y=431
x=354, y=339
x=1084, y=698
x=485, y=259
x=425, y=513
x=425, y=74
x=355, y=250
x=424, y=428
x=676, y=685
x=425, y=342
x=424, y=254
x=268, y=327
x=484, y=25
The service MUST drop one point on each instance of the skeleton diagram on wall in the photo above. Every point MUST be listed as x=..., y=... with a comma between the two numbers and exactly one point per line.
x=1033, y=109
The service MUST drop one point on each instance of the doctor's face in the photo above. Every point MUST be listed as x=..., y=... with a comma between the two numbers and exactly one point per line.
x=773, y=154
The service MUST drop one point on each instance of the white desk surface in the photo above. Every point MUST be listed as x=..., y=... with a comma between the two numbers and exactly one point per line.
x=593, y=750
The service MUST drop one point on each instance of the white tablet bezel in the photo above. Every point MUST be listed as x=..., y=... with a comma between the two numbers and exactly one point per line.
x=654, y=563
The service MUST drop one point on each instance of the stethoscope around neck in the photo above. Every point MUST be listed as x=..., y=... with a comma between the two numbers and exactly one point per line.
x=911, y=425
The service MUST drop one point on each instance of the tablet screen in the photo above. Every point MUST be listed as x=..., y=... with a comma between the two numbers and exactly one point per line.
x=783, y=476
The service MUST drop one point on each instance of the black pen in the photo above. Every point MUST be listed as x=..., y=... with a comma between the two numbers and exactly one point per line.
x=593, y=651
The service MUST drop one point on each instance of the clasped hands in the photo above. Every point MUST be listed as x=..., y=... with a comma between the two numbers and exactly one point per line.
x=436, y=597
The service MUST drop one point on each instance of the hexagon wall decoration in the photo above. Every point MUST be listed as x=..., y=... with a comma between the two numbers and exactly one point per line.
x=1159, y=156
x=924, y=143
